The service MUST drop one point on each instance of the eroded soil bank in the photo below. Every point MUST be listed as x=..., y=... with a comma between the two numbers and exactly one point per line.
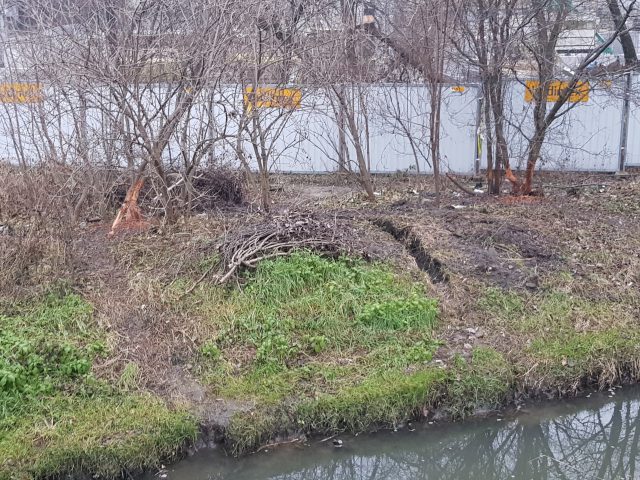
x=417, y=311
x=571, y=439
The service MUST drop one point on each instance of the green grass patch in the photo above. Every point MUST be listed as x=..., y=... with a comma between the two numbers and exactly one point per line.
x=306, y=304
x=99, y=435
x=55, y=417
x=552, y=313
x=305, y=307
x=319, y=344
x=482, y=382
x=571, y=357
x=45, y=348
x=384, y=400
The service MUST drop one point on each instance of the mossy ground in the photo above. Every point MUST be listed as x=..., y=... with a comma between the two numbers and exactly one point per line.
x=55, y=417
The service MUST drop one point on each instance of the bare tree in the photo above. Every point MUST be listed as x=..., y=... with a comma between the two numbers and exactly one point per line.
x=434, y=20
x=628, y=48
x=342, y=66
x=548, y=25
x=143, y=65
x=419, y=36
x=488, y=39
x=273, y=48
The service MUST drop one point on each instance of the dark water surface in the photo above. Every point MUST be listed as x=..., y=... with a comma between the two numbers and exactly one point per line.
x=588, y=439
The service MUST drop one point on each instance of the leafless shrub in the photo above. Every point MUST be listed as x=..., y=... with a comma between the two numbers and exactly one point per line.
x=55, y=191
x=36, y=211
x=32, y=258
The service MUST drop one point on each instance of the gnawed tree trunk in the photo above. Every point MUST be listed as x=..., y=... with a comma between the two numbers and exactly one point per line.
x=129, y=214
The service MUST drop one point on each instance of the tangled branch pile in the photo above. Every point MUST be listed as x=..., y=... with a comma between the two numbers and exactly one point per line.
x=327, y=235
x=215, y=186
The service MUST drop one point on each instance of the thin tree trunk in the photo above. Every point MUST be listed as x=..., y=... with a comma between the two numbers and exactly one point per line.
x=365, y=174
x=532, y=160
x=434, y=124
x=491, y=174
x=265, y=191
x=502, y=149
x=628, y=48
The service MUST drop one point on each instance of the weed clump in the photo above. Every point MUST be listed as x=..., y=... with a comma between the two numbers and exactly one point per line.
x=400, y=314
x=44, y=349
x=306, y=305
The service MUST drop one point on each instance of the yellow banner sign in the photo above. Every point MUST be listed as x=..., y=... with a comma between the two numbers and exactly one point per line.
x=270, y=97
x=20, y=93
x=579, y=94
x=458, y=89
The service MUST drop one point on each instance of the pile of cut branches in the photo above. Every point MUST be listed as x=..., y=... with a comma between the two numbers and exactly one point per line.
x=279, y=236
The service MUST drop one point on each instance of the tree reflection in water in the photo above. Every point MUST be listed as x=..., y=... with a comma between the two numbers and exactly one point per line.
x=586, y=440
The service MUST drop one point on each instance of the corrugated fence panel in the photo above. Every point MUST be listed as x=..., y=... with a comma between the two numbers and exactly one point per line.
x=399, y=129
x=395, y=117
x=586, y=138
x=633, y=145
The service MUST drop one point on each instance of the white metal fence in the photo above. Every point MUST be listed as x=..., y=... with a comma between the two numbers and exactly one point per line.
x=392, y=122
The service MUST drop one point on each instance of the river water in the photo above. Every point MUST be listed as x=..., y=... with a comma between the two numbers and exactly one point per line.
x=593, y=438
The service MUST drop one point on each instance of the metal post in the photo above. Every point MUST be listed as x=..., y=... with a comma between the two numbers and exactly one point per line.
x=624, y=133
x=478, y=147
x=342, y=141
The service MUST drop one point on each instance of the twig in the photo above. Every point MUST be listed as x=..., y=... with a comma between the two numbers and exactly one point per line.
x=460, y=186
x=584, y=185
x=279, y=444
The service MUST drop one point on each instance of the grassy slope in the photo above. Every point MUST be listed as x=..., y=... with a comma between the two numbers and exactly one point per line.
x=568, y=338
x=55, y=418
x=315, y=345
x=324, y=346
